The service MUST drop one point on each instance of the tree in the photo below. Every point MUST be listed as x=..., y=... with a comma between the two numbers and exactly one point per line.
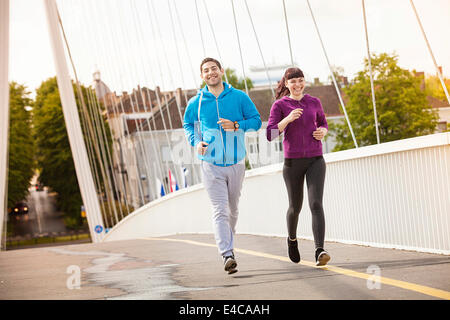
x=21, y=146
x=234, y=80
x=433, y=87
x=54, y=153
x=54, y=157
x=338, y=73
x=402, y=108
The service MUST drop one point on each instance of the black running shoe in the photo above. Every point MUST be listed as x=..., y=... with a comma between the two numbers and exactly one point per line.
x=294, y=255
x=322, y=257
x=230, y=264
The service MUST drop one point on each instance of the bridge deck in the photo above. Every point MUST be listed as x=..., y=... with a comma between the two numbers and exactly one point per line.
x=188, y=267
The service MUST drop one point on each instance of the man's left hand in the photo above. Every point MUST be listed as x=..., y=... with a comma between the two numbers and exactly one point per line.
x=226, y=124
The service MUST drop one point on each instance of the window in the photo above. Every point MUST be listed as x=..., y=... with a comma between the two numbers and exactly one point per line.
x=165, y=153
x=254, y=148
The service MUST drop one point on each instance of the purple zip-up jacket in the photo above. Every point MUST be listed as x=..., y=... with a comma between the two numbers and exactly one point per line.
x=298, y=140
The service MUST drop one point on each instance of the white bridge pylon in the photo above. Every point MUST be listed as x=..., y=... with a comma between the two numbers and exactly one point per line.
x=4, y=114
x=77, y=145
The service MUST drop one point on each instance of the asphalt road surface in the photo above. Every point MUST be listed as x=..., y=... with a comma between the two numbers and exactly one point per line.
x=188, y=267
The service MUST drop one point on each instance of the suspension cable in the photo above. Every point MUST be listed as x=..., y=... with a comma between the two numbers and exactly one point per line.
x=431, y=52
x=158, y=30
x=138, y=179
x=175, y=40
x=371, y=74
x=113, y=104
x=182, y=79
x=157, y=153
x=98, y=160
x=214, y=36
x=171, y=82
x=105, y=156
x=92, y=162
x=82, y=100
x=287, y=31
x=260, y=50
x=239, y=44
x=149, y=168
x=200, y=29
x=332, y=76
x=115, y=112
x=100, y=120
x=186, y=47
x=242, y=60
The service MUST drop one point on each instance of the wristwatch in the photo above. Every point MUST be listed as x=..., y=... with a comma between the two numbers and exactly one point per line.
x=236, y=125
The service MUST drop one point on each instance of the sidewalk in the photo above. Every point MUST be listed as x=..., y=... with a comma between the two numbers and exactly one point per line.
x=188, y=267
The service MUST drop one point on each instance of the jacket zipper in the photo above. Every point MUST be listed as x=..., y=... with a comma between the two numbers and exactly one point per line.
x=220, y=129
x=303, y=137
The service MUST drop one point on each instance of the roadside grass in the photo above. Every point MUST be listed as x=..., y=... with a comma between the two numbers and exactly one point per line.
x=15, y=243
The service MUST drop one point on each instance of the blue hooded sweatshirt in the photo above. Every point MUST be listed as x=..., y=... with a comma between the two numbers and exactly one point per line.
x=200, y=124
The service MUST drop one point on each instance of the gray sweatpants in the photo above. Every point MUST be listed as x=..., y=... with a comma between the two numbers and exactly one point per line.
x=224, y=185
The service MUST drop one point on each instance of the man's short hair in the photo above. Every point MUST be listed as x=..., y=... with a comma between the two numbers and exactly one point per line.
x=208, y=60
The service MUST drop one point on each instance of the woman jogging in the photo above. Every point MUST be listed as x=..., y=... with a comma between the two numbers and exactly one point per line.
x=302, y=119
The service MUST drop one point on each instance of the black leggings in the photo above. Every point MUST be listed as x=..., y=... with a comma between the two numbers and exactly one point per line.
x=294, y=171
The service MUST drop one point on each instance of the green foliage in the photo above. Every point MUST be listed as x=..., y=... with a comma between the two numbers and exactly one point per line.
x=247, y=164
x=433, y=87
x=90, y=139
x=21, y=148
x=54, y=156
x=338, y=73
x=402, y=108
x=234, y=80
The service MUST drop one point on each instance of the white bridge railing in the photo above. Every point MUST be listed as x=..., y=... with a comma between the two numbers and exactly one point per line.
x=392, y=195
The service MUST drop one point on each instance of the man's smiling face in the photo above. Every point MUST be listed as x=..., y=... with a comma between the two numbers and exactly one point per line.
x=211, y=74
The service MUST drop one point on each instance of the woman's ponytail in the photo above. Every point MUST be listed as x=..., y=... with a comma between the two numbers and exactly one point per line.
x=282, y=90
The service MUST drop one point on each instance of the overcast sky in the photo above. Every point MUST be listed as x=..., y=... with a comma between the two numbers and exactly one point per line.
x=138, y=56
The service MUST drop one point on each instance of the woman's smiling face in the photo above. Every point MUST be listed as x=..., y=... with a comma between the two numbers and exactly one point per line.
x=296, y=86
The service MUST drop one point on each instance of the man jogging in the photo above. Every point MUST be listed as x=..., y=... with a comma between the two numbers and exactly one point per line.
x=215, y=123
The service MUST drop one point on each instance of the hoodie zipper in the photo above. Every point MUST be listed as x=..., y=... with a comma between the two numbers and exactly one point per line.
x=220, y=129
x=303, y=137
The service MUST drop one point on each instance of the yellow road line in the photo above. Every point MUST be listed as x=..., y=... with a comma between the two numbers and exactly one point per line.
x=437, y=293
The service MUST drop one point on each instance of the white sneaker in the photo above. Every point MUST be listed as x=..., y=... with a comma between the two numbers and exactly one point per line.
x=322, y=257
x=230, y=264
